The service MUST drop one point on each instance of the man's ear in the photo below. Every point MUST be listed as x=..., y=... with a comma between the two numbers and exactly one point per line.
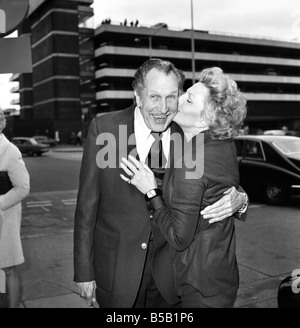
x=137, y=99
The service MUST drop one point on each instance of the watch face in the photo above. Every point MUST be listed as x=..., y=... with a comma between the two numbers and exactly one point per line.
x=151, y=193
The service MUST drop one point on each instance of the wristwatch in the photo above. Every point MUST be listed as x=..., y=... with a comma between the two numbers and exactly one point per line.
x=152, y=193
x=245, y=205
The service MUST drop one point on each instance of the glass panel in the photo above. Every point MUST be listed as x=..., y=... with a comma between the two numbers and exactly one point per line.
x=288, y=147
x=253, y=150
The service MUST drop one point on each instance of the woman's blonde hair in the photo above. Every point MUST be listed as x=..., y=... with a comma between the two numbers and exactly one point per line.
x=225, y=108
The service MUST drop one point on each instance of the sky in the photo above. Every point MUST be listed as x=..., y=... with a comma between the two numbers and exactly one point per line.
x=261, y=18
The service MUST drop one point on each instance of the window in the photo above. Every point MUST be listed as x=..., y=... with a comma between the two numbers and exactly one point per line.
x=253, y=150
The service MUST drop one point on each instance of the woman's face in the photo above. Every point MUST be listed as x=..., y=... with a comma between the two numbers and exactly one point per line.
x=191, y=105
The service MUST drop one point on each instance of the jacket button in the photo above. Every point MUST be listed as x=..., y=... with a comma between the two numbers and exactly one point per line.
x=151, y=216
x=144, y=245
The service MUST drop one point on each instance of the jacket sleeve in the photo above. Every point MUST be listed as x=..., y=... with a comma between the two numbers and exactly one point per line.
x=88, y=198
x=179, y=222
x=19, y=178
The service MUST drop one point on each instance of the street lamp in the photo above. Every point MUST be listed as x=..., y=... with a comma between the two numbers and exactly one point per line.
x=192, y=42
x=150, y=38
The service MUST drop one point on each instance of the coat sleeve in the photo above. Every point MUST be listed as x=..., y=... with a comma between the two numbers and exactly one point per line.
x=19, y=178
x=178, y=223
x=88, y=198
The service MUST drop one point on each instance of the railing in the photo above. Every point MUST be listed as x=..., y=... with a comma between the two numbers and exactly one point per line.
x=172, y=28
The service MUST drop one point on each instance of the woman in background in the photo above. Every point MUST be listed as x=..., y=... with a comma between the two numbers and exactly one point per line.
x=16, y=179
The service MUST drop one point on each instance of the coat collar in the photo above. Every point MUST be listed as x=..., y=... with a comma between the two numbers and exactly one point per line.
x=3, y=143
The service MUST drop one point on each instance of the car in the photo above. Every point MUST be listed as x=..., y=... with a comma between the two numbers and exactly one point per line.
x=30, y=146
x=269, y=166
x=45, y=140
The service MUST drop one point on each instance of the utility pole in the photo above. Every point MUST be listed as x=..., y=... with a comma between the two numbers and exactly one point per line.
x=192, y=42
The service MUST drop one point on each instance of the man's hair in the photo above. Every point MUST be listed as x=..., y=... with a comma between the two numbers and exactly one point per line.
x=160, y=65
x=225, y=108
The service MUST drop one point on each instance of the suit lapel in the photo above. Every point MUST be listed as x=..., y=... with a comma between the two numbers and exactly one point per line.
x=127, y=140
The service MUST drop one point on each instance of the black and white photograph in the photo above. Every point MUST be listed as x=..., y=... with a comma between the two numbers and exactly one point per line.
x=150, y=156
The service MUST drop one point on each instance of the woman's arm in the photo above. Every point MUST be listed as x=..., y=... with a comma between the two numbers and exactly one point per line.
x=179, y=222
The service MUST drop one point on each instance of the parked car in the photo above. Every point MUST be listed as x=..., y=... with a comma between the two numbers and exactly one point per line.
x=269, y=166
x=45, y=140
x=30, y=146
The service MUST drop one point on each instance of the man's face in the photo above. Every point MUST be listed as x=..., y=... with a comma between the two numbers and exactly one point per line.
x=159, y=100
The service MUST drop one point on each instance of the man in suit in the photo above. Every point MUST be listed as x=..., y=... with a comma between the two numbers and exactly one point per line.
x=117, y=254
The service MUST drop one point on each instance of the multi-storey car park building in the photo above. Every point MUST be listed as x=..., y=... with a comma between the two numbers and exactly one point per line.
x=59, y=94
x=267, y=71
x=80, y=72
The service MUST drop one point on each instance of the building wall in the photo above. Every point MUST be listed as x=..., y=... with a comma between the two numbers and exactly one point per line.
x=79, y=73
x=267, y=71
x=54, y=102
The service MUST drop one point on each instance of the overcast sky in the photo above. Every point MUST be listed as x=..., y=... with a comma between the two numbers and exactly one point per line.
x=271, y=18
x=262, y=18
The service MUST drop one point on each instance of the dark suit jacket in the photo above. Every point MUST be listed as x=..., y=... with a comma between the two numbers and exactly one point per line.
x=203, y=254
x=112, y=221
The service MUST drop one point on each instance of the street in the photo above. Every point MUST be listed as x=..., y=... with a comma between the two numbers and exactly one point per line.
x=268, y=247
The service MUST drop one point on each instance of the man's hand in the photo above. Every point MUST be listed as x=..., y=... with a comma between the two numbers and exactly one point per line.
x=87, y=290
x=225, y=207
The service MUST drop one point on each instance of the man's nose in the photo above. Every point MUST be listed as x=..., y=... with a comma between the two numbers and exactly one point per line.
x=164, y=106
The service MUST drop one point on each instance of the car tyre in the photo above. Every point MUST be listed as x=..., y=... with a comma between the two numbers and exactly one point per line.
x=29, y=153
x=276, y=193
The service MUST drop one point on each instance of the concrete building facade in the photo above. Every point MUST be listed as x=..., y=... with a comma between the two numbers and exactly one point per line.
x=79, y=72
x=267, y=71
x=59, y=95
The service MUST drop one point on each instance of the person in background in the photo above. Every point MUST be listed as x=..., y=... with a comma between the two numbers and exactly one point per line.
x=12, y=168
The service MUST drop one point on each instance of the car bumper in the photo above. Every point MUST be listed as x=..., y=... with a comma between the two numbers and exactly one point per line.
x=295, y=189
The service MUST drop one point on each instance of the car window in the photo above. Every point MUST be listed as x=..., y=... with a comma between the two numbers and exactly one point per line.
x=288, y=147
x=253, y=150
